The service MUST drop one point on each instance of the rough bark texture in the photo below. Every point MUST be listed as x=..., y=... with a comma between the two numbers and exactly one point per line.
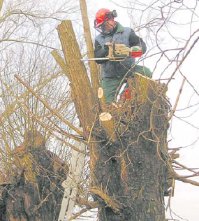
x=128, y=172
x=132, y=170
x=35, y=193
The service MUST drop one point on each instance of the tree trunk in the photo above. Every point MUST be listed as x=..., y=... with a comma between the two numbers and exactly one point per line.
x=34, y=194
x=131, y=171
x=129, y=160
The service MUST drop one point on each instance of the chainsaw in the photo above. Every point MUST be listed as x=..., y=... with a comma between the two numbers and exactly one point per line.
x=118, y=52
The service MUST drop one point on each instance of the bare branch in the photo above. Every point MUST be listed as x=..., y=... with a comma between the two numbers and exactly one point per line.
x=48, y=107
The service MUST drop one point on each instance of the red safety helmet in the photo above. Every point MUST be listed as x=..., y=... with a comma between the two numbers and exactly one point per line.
x=102, y=16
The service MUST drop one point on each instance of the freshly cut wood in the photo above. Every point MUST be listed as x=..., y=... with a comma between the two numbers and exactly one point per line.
x=102, y=99
x=107, y=123
x=100, y=93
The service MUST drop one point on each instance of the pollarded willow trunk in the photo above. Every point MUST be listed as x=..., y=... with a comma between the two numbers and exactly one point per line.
x=131, y=171
x=34, y=191
x=128, y=161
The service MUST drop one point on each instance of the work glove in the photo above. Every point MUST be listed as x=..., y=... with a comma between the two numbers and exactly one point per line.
x=136, y=51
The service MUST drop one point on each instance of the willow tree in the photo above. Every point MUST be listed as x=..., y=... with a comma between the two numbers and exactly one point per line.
x=127, y=146
x=31, y=100
x=128, y=152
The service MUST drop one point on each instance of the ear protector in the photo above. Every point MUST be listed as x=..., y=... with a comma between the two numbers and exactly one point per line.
x=111, y=14
x=114, y=13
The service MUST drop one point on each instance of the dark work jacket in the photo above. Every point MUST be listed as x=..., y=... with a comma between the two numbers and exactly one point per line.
x=121, y=35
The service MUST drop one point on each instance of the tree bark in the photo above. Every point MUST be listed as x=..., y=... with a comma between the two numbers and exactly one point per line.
x=131, y=171
x=82, y=93
x=127, y=170
x=80, y=84
x=34, y=195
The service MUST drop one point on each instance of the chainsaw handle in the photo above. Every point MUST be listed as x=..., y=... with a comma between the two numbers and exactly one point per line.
x=117, y=51
x=117, y=55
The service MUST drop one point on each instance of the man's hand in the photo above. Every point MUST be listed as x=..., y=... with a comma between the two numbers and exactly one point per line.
x=116, y=50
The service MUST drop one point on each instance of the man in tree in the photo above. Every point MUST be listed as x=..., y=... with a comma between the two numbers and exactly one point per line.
x=114, y=72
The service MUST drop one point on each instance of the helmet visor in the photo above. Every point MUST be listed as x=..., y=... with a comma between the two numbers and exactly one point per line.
x=104, y=27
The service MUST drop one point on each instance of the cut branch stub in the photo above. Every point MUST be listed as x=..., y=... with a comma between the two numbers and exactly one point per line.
x=107, y=123
x=102, y=99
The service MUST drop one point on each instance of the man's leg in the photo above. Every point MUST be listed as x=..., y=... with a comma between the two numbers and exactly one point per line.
x=110, y=86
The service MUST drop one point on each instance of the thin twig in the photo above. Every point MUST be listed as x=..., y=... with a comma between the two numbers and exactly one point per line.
x=48, y=106
x=177, y=100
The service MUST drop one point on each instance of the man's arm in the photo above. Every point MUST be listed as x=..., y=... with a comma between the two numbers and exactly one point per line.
x=100, y=52
x=134, y=40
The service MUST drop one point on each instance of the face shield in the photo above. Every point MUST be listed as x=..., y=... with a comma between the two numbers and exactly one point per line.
x=106, y=27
